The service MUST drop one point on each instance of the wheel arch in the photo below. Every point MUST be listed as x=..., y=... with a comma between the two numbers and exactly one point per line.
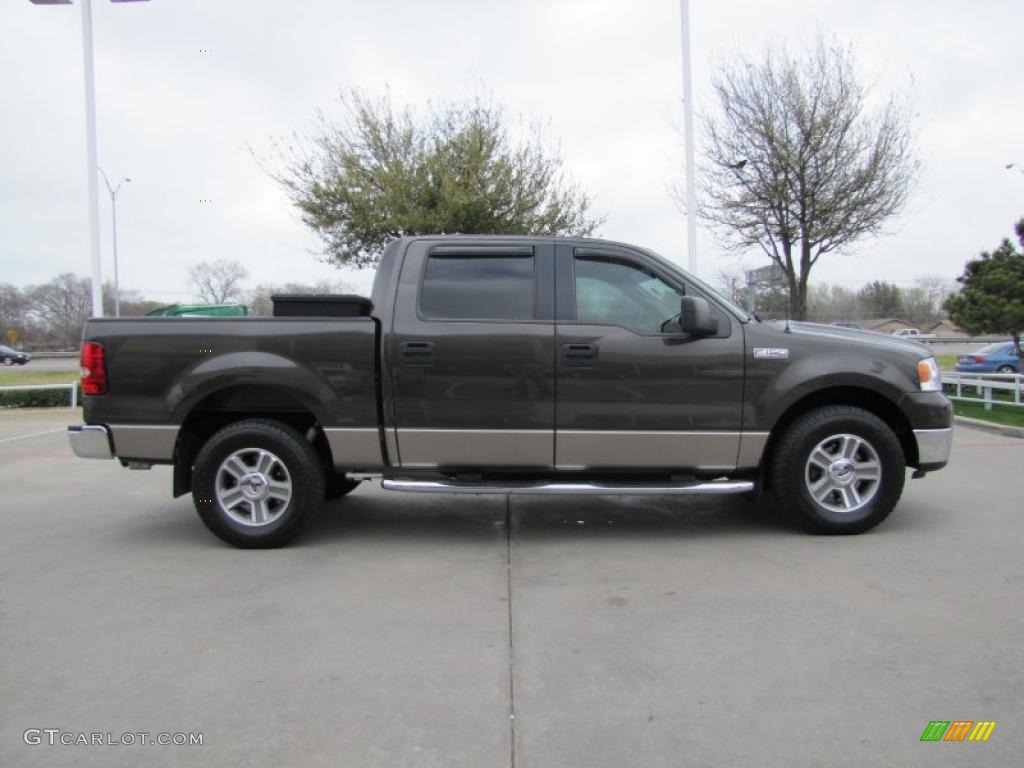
x=237, y=402
x=859, y=397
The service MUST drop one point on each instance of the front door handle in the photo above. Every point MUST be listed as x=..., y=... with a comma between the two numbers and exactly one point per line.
x=579, y=355
x=416, y=353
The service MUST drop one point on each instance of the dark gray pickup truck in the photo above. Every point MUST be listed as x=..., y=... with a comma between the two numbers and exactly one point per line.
x=531, y=364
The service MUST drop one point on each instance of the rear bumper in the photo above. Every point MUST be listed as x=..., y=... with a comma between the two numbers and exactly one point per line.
x=933, y=447
x=90, y=441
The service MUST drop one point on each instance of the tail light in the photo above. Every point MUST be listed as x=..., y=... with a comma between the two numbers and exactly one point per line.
x=979, y=358
x=94, y=369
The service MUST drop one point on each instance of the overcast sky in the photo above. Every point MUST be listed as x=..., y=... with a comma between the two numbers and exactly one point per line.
x=606, y=75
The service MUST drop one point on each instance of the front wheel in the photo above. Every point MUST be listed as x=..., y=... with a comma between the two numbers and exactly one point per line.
x=838, y=469
x=1005, y=369
x=255, y=483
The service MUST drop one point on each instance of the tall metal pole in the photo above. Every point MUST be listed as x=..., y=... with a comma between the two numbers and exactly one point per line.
x=117, y=282
x=90, y=151
x=691, y=195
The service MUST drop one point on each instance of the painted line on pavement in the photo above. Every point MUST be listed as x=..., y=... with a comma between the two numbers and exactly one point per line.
x=33, y=434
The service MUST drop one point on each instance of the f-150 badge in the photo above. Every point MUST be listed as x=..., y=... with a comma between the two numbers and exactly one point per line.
x=771, y=353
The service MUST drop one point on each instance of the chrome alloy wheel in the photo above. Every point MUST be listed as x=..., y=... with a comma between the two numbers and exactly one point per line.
x=843, y=473
x=253, y=486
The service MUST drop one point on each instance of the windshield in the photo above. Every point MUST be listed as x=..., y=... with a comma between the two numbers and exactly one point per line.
x=6, y=350
x=704, y=287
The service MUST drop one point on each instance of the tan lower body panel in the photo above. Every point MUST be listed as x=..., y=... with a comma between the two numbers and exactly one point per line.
x=426, y=448
x=751, y=448
x=354, y=447
x=144, y=441
x=391, y=441
x=598, y=449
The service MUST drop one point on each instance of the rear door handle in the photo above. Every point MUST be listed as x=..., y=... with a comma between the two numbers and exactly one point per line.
x=416, y=353
x=579, y=355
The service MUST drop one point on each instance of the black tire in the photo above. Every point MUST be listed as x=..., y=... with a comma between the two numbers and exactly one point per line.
x=8, y=361
x=297, y=465
x=338, y=485
x=1005, y=369
x=847, y=483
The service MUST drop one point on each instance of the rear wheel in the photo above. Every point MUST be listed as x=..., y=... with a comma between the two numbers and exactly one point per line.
x=255, y=483
x=838, y=469
x=8, y=361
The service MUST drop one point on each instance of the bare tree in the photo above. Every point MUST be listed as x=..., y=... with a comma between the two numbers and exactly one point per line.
x=218, y=282
x=797, y=164
x=13, y=310
x=733, y=284
x=62, y=305
x=765, y=297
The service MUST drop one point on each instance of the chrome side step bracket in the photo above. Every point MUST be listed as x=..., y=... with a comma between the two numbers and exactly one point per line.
x=713, y=488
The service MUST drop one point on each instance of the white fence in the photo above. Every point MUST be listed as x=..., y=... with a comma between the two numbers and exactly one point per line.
x=985, y=386
x=72, y=389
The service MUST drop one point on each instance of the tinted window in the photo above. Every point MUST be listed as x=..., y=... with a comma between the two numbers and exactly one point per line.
x=478, y=288
x=613, y=292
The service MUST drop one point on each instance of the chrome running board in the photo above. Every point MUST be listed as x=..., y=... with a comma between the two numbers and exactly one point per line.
x=715, y=487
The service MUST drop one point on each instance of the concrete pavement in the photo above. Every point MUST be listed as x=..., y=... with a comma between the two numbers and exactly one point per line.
x=406, y=630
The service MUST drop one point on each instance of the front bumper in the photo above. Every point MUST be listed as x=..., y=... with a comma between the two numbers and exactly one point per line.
x=933, y=448
x=90, y=441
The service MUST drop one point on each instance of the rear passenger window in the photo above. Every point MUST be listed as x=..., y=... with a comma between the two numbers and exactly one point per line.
x=468, y=287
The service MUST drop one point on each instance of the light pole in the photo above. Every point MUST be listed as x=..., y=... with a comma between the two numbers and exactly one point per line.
x=113, y=214
x=90, y=148
x=1014, y=165
x=691, y=198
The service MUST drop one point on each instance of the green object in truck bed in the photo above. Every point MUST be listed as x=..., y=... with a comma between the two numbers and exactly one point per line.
x=200, y=310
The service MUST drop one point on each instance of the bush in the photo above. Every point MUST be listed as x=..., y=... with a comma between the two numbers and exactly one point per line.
x=38, y=398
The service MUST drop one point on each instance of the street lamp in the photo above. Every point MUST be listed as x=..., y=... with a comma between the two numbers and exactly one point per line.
x=90, y=147
x=1014, y=165
x=691, y=198
x=113, y=213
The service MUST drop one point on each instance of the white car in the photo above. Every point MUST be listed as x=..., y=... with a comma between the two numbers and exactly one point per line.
x=912, y=333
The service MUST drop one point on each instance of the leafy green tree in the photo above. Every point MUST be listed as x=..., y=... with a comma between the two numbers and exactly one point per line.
x=383, y=172
x=881, y=299
x=991, y=297
x=798, y=163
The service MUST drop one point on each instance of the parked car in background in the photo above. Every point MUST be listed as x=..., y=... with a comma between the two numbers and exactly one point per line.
x=912, y=333
x=1000, y=357
x=10, y=356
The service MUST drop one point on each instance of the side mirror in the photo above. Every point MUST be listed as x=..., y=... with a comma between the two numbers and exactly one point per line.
x=695, y=317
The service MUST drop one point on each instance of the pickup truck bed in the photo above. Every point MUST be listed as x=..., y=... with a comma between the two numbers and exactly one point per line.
x=277, y=366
